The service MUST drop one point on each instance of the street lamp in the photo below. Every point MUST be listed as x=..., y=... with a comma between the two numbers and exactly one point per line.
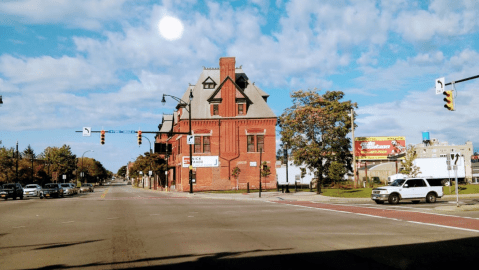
x=163, y=101
x=82, y=162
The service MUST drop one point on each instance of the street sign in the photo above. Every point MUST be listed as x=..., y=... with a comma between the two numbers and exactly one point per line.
x=86, y=131
x=150, y=173
x=440, y=83
x=190, y=139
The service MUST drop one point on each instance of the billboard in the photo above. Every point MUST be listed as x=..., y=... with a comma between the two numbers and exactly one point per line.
x=380, y=147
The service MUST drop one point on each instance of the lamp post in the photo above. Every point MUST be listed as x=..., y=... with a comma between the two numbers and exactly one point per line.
x=285, y=154
x=82, y=163
x=163, y=101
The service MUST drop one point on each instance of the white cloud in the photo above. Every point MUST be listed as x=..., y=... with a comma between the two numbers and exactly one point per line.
x=88, y=14
x=65, y=73
x=442, y=19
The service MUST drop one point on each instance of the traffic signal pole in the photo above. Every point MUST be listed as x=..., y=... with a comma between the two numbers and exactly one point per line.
x=463, y=80
x=450, y=94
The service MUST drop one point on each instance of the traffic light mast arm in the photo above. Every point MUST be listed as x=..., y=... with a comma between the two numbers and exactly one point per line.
x=463, y=80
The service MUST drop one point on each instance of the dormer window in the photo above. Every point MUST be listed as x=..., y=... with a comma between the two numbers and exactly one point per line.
x=209, y=83
x=241, y=82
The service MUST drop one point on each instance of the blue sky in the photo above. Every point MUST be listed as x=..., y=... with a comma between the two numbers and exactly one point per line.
x=70, y=64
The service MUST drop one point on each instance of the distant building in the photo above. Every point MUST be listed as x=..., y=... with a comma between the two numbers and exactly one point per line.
x=441, y=149
x=231, y=123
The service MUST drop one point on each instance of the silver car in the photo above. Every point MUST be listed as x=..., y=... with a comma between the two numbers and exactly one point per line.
x=32, y=190
x=69, y=188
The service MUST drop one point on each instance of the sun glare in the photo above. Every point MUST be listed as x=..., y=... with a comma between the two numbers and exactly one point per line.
x=170, y=28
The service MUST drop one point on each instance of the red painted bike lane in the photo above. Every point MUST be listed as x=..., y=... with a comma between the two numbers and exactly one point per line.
x=429, y=218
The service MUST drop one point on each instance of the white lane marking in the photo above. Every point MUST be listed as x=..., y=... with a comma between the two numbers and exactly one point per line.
x=113, y=218
x=191, y=216
x=444, y=226
x=18, y=227
x=431, y=224
x=392, y=209
x=68, y=222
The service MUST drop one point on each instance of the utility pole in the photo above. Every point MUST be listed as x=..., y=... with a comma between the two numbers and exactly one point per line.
x=354, y=150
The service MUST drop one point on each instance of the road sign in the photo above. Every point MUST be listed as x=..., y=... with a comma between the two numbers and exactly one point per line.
x=86, y=131
x=440, y=83
x=190, y=139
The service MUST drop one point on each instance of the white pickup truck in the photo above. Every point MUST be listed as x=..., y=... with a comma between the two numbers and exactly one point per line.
x=412, y=189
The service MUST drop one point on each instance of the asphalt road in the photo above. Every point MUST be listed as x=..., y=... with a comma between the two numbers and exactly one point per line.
x=120, y=227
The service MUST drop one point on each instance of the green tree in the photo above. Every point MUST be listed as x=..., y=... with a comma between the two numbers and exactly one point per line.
x=61, y=161
x=408, y=166
x=336, y=171
x=316, y=128
x=122, y=171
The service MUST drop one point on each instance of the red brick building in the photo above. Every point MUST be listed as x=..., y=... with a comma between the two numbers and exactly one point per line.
x=231, y=122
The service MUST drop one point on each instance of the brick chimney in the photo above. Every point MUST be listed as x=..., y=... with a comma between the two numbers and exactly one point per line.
x=227, y=68
x=227, y=107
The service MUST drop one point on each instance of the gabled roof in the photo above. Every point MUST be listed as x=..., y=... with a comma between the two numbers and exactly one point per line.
x=218, y=89
x=208, y=80
x=200, y=104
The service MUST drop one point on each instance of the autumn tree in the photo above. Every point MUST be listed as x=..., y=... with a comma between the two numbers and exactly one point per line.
x=408, y=166
x=7, y=164
x=147, y=162
x=93, y=170
x=315, y=129
x=61, y=161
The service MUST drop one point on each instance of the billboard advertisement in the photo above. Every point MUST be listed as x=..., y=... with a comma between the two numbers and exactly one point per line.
x=380, y=147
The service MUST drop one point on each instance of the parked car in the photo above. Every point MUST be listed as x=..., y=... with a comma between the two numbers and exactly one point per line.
x=69, y=188
x=32, y=190
x=11, y=190
x=87, y=188
x=51, y=190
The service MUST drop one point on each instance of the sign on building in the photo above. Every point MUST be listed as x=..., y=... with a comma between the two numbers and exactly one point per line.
x=380, y=147
x=201, y=161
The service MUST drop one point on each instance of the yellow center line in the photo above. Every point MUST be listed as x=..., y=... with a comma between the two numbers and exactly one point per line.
x=104, y=193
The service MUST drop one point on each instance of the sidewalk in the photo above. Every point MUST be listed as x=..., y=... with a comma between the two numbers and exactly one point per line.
x=313, y=197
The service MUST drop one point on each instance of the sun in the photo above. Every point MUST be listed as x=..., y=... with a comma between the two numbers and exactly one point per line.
x=170, y=28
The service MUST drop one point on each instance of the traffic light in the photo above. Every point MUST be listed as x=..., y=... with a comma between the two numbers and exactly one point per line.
x=449, y=99
x=102, y=137
x=139, y=137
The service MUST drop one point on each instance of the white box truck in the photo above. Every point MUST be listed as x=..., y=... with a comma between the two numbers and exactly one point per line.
x=435, y=170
